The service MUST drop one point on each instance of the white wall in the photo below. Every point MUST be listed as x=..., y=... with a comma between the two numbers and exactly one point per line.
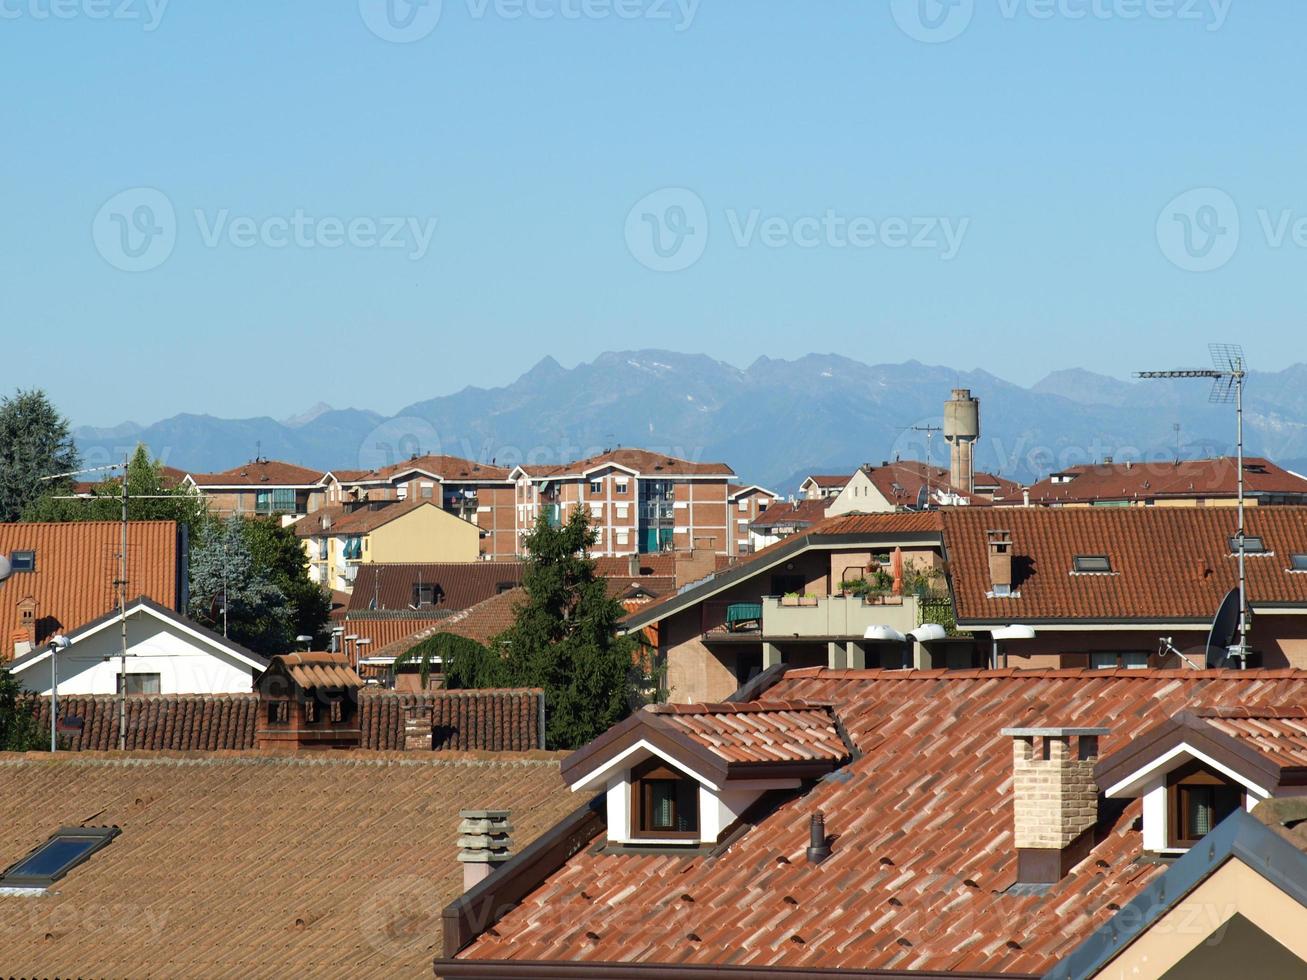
x=186, y=664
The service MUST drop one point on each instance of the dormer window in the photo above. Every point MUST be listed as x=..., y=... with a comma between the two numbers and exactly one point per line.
x=664, y=802
x=1197, y=800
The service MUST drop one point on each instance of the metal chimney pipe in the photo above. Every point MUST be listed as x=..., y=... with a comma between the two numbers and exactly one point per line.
x=818, y=845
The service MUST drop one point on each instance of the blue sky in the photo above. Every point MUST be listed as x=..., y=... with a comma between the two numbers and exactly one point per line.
x=820, y=178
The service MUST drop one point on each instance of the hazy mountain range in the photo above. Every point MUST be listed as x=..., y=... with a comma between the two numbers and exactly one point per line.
x=773, y=421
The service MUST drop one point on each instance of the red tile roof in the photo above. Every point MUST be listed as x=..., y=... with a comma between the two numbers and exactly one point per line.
x=1169, y=563
x=336, y=520
x=902, y=481
x=800, y=513
x=828, y=481
x=261, y=473
x=923, y=852
x=760, y=731
x=459, y=584
x=76, y=568
x=493, y=720
x=643, y=462
x=254, y=865
x=1168, y=479
x=482, y=622
x=452, y=469
x=1279, y=735
x=312, y=670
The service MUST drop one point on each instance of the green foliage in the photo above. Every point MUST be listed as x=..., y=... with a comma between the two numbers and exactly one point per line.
x=223, y=571
x=18, y=726
x=35, y=442
x=145, y=485
x=279, y=555
x=464, y=662
x=563, y=640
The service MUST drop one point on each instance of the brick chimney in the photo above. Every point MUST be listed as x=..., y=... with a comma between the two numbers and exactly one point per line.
x=483, y=844
x=633, y=566
x=1000, y=562
x=1054, y=799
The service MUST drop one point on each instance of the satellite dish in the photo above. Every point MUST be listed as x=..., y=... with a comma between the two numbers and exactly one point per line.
x=1224, y=626
x=6, y=569
x=923, y=498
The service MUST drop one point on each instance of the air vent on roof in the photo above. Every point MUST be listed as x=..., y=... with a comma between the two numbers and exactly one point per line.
x=1091, y=564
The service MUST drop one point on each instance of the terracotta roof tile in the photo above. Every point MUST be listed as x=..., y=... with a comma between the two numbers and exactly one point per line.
x=1166, y=478
x=761, y=731
x=1171, y=563
x=76, y=568
x=447, y=468
x=337, y=520
x=800, y=513
x=642, y=461
x=310, y=670
x=923, y=854
x=459, y=584
x=482, y=622
x=261, y=473
x=1280, y=736
x=254, y=865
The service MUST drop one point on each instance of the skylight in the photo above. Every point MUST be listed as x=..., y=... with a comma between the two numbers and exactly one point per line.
x=1091, y=564
x=23, y=561
x=64, y=850
x=1252, y=545
x=1298, y=563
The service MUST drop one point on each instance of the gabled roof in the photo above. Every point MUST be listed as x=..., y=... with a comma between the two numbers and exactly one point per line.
x=447, y=469
x=482, y=622
x=1169, y=564
x=721, y=741
x=900, y=482
x=922, y=860
x=313, y=670
x=1216, y=477
x=799, y=513
x=255, y=865
x=260, y=474
x=887, y=529
x=827, y=481
x=639, y=462
x=335, y=521
x=146, y=607
x=735, y=490
x=77, y=566
x=458, y=585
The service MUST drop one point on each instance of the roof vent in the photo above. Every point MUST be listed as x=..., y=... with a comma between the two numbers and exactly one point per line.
x=818, y=842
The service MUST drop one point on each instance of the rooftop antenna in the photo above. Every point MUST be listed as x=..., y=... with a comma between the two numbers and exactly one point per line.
x=1178, y=444
x=930, y=431
x=1227, y=373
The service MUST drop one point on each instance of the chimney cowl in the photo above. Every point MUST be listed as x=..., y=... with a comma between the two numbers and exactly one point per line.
x=484, y=843
x=818, y=842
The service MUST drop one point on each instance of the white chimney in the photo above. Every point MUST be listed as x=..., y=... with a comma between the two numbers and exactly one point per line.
x=483, y=843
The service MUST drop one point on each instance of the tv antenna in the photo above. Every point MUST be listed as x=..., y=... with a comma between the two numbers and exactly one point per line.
x=1228, y=371
x=930, y=431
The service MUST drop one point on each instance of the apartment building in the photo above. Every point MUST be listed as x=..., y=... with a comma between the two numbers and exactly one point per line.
x=747, y=505
x=639, y=501
x=480, y=493
x=262, y=488
x=1170, y=483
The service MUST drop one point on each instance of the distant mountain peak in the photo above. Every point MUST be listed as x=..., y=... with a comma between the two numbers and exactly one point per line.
x=307, y=416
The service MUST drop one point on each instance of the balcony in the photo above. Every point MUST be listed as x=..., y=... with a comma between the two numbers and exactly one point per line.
x=835, y=617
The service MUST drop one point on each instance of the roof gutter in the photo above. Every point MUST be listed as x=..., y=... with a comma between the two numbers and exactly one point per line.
x=450, y=969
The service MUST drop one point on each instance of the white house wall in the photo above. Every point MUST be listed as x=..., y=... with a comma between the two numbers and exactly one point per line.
x=185, y=665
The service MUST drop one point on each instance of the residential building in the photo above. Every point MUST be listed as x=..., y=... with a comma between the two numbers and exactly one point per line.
x=341, y=539
x=66, y=575
x=1178, y=483
x=784, y=519
x=866, y=823
x=820, y=486
x=480, y=493
x=910, y=485
x=262, y=488
x=745, y=506
x=309, y=701
x=808, y=600
x=1133, y=587
x=252, y=864
x=638, y=501
x=166, y=654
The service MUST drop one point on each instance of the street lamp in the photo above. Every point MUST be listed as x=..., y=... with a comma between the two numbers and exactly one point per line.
x=57, y=642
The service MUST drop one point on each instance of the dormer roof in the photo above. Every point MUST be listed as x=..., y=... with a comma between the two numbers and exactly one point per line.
x=314, y=670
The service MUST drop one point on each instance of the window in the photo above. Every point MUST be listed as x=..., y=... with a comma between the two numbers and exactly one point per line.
x=310, y=710
x=1131, y=660
x=427, y=490
x=1298, y=563
x=337, y=708
x=426, y=595
x=140, y=683
x=1091, y=564
x=762, y=507
x=57, y=856
x=1199, y=799
x=280, y=501
x=23, y=561
x=401, y=492
x=623, y=538
x=353, y=548
x=1252, y=545
x=623, y=486
x=743, y=505
x=278, y=712
x=665, y=802
x=596, y=486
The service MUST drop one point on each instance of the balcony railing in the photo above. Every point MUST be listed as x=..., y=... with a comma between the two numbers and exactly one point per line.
x=844, y=617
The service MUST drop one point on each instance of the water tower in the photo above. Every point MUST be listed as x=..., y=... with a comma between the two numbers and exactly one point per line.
x=961, y=430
